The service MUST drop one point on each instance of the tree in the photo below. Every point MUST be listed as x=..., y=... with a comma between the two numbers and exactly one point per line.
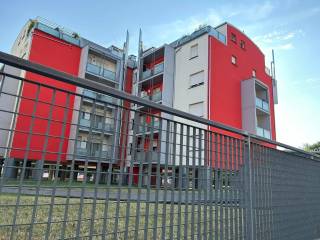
x=312, y=147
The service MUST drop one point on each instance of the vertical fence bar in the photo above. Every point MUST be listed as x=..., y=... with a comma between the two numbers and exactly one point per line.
x=164, y=206
x=181, y=172
x=149, y=165
x=186, y=209
x=248, y=190
x=174, y=179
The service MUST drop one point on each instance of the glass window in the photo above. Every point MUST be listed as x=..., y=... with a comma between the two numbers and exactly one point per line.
x=234, y=59
x=242, y=44
x=196, y=79
x=194, y=51
x=253, y=73
x=233, y=37
x=197, y=109
x=86, y=116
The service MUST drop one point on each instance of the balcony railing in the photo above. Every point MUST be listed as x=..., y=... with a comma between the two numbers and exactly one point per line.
x=263, y=133
x=262, y=104
x=102, y=97
x=86, y=152
x=84, y=122
x=146, y=128
x=107, y=126
x=156, y=97
x=147, y=156
x=154, y=71
x=101, y=72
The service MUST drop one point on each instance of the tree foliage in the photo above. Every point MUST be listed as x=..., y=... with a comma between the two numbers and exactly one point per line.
x=312, y=147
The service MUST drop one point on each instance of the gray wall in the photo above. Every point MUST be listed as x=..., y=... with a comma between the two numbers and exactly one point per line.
x=8, y=103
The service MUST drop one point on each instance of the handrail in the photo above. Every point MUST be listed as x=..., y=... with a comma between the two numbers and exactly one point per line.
x=99, y=87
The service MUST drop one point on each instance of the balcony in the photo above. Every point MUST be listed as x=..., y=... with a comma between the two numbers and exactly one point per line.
x=142, y=128
x=98, y=96
x=155, y=71
x=108, y=127
x=83, y=152
x=156, y=97
x=101, y=72
x=84, y=123
x=144, y=95
x=262, y=104
x=146, y=128
x=145, y=157
x=263, y=132
x=80, y=152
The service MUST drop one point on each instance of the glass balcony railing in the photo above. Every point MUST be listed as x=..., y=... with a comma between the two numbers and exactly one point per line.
x=145, y=96
x=146, y=156
x=156, y=97
x=158, y=68
x=102, y=97
x=142, y=128
x=146, y=74
x=105, y=98
x=82, y=152
x=84, y=122
x=263, y=133
x=101, y=72
x=90, y=94
x=109, y=127
x=154, y=71
x=262, y=104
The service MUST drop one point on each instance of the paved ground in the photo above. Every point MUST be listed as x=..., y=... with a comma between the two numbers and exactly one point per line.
x=123, y=194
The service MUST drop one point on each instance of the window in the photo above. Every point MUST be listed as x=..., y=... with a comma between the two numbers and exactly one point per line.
x=82, y=142
x=253, y=73
x=234, y=60
x=196, y=109
x=86, y=115
x=194, y=51
x=242, y=44
x=233, y=38
x=196, y=79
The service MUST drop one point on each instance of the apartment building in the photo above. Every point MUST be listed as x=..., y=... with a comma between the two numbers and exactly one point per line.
x=220, y=74
x=81, y=128
x=217, y=73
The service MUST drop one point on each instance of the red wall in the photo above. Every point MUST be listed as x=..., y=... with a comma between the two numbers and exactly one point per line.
x=225, y=78
x=62, y=56
x=125, y=117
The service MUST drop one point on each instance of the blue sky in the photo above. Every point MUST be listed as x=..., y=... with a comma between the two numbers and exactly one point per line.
x=289, y=27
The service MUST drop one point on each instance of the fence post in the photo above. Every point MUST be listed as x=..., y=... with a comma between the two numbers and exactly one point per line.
x=248, y=186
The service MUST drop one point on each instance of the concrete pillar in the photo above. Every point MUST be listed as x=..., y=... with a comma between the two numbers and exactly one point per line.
x=51, y=172
x=28, y=170
x=10, y=169
x=36, y=172
x=1, y=166
x=62, y=172
x=75, y=172
x=203, y=177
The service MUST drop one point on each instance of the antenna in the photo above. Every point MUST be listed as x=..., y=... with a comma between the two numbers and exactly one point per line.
x=273, y=68
x=125, y=59
x=274, y=81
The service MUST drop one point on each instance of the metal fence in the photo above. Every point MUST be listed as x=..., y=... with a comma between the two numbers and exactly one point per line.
x=82, y=166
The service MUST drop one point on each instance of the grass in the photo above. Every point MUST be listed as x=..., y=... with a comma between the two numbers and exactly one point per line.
x=97, y=215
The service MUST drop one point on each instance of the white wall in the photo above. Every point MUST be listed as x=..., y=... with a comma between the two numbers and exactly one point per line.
x=184, y=96
x=184, y=67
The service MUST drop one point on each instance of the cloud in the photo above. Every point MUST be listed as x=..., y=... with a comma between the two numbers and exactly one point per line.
x=278, y=36
x=168, y=32
x=287, y=46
